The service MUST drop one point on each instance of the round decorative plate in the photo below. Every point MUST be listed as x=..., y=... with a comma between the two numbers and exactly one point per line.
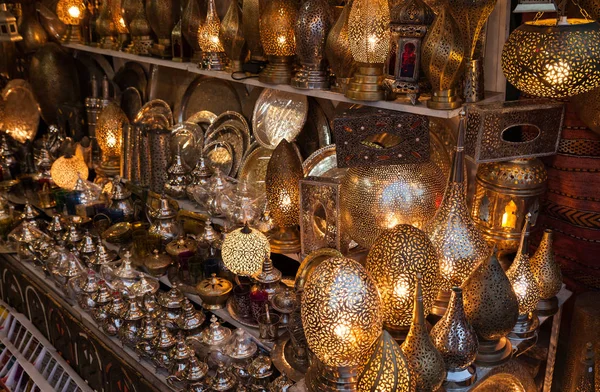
x=230, y=134
x=233, y=119
x=155, y=108
x=220, y=156
x=254, y=168
x=278, y=115
x=203, y=119
x=214, y=95
x=184, y=137
x=323, y=163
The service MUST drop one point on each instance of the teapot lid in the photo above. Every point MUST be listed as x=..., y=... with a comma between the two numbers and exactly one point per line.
x=215, y=334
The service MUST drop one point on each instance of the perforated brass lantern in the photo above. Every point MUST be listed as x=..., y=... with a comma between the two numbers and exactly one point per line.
x=395, y=260
x=426, y=362
x=8, y=26
x=374, y=199
x=70, y=12
x=244, y=250
x=282, y=182
x=443, y=60
x=341, y=315
x=106, y=28
x=140, y=30
x=250, y=21
x=337, y=51
x=547, y=274
x=387, y=369
x=492, y=309
x=457, y=341
x=368, y=32
x=314, y=22
x=213, y=54
x=109, y=134
x=20, y=112
x=458, y=241
x=505, y=192
x=66, y=170
x=191, y=19
x=525, y=286
x=162, y=15
x=232, y=37
x=553, y=59
x=277, y=21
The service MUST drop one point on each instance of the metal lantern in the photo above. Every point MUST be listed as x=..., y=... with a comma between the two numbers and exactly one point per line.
x=251, y=11
x=443, y=59
x=504, y=194
x=387, y=369
x=410, y=21
x=140, y=31
x=66, y=170
x=284, y=173
x=368, y=33
x=109, y=133
x=374, y=199
x=426, y=362
x=457, y=341
x=105, y=27
x=8, y=26
x=315, y=19
x=337, y=51
x=277, y=21
x=232, y=37
x=341, y=315
x=553, y=58
x=193, y=16
x=492, y=309
x=70, y=12
x=244, y=250
x=20, y=112
x=118, y=11
x=162, y=16
x=395, y=260
x=547, y=274
x=213, y=54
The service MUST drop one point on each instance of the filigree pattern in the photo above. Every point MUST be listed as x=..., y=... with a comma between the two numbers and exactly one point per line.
x=70, y=11
x=521, y=277
x=277, y=27
x=397, y=257
x=208, y=32
x=284, y=172
x=368, y=31
x=162, y=16
x=341, y=312
x=109, y=130
x=244, y=253
x=545, y=268
x=314, y=22
x=337, y=47
x=471, y=16
x=231, y=35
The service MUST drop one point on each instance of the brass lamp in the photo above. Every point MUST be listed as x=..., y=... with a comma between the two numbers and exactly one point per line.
x=109, y=134
x=547, y=274
x=244, y=250
x=251, y=10
x=341, y=315
x=525, y=286
x=368, y=31
x=8, y=26
x=70, y=12
x=337, y=51
x=277, y=36
x=314, y=22
x=284, y=172
x=232, y=37
x=394, y=261
x=213, y=54
x=105, y=27
x=553, y=58
x=443, y=60
x=66, y=170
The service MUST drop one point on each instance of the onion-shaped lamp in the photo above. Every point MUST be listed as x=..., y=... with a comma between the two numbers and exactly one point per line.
x=458, y=241
x=66, y=170
x=426, y=362
x=213, y=54
x=284, y=172
x=553, y=58
x=232, y=37
x=547, y=274
x=70, y=12
x=341, y=315
x=525, y=286
x=277, y=22
x=109, y=134
x=337, y=51
x=314, y=22
x=492, y=309
x=244, y=250
x=457, y=341
x=368, y=32
x=443, y=57
x=394, y=261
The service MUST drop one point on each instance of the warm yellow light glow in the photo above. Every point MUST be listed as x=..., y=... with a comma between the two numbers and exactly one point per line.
x=208, y=32
x=509, y=218
x=401, y=289
x=281, y=40
x=342, y=331
x=557, y=73
x=70, y=11
x=276, y=26
x=368, y=30
x=74, y=11
x=122, y=22
x=109, y=130
x=65, y=171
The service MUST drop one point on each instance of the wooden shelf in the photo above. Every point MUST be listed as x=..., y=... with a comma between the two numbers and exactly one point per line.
x=401, y=104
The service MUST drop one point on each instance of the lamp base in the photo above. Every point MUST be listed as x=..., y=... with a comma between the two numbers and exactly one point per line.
x=493, y=352
x=444, y=100
x=108, y=42
x=285, y=240
x=278, y=70
x=196, y=56
x=72, y=35
x=440, y=304
x=123, y=40
x=109, y=168
x=162, y=49
x=311, y=78
x=547, y=307
x=474, y=89
x=235, y=66
x=366, y=85
x=340, y=85
x=458, y=379
x=140, y=45
x=321, y=378
x=214, y=61
x=526, y=327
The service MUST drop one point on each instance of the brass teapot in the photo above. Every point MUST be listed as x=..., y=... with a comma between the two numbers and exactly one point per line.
x=163, y=222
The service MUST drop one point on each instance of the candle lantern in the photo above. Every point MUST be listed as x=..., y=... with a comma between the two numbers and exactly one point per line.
x=109, y=133
x=70, y=12
x=8, y=26
x=277, y=21
x=213, y=54
x=337, y=51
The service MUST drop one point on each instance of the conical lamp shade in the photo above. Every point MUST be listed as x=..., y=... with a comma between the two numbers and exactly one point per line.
x=284, y=172
x=545, y=268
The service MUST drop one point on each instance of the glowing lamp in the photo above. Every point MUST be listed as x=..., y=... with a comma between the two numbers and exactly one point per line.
x=66, y=170
x=244, y=250
x=109, y=133
x=213, y=54
x=70, y=12
x=276, y=25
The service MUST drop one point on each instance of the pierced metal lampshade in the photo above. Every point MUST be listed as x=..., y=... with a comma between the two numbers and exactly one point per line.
x=20, y=111
x=492, y=309
x=315, y=19
x=282, y=182
x=250, y=22
x=368, y=32
x=119, y=19
x=70, y=12
x=457, y=341
x=547, y=274
x=66, y=170
x=553, y=59
x=341, y=315
x=162, y=16
x=193, y=16
x=395, y=260
x=337, y=51
x=109, y=134
x=387, y=369
x=213, y=54
x=443, y=57
x=140, y=31
x=244, y=250
x=277, y=21
x=232, y=37
x=105, y=27
x=374, y=199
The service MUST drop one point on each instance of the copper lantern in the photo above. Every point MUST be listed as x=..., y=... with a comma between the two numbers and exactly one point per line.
x=337, y=51
x=277, y=21
x=213, y=54
x=70, y=12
